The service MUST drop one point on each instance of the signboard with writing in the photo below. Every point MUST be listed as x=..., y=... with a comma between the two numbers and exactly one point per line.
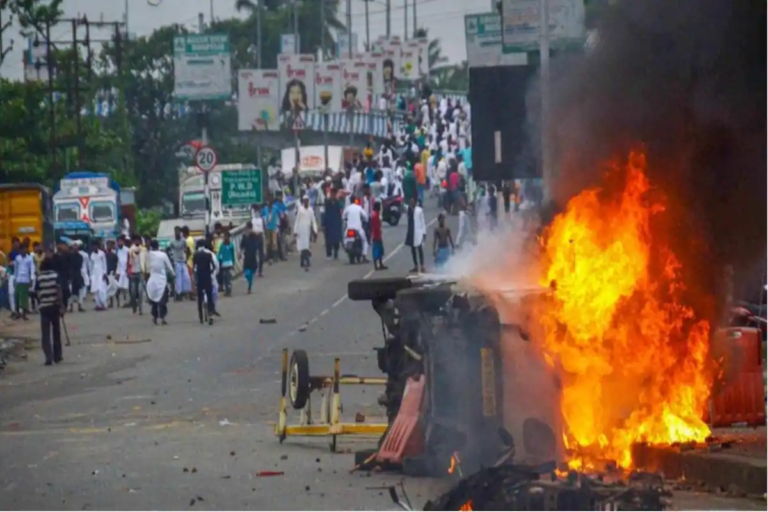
x=258, y=99
x=202, y=67
x=101, y=182
x=328, y=86
x=521, y=23
x=482, y=33
x=297, y=82
x=241, y=188
x=288, y=44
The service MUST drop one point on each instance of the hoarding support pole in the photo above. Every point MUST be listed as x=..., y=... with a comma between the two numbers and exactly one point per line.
x=258, y=35
x=405, y=25
x=322, y=32
x=349, y=27
x=414, y=18
x=367, y=28
x=351, y=125
x=206, y=187
x=297, y=167
x=389, y=24
x=325, y=140
x=546, y=156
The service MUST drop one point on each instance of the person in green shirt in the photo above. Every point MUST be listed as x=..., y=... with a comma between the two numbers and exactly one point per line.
x=409, y=183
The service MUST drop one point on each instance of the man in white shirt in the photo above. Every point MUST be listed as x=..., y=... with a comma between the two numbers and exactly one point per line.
x=355, y=217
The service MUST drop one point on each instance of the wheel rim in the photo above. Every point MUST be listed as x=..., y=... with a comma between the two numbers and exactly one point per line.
x=293, y=382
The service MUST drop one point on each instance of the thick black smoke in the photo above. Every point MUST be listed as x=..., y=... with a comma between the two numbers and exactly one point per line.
x=687, y=80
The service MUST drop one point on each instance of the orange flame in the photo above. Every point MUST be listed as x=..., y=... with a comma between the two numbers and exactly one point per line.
x=467, y=506
x=634, y=358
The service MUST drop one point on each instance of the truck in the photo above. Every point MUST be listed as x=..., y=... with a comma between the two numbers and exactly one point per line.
x=192, y=202
x=25, y=212
x=89, y=197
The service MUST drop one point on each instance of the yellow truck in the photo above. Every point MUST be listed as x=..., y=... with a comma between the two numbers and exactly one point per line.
x=25, y=212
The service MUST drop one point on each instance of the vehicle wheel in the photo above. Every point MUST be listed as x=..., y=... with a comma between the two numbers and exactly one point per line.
x=423, y=299
x=298, y=379
x=393, y=220
x=376, y=289
x=351, y=259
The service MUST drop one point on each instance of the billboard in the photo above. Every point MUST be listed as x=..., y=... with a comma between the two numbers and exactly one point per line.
x=391, y=50
x=521, y=23
x=328, y=86
x=202, y=67
x=297, y=82
x=258, y=99
x=354, y=75
x=409, y=61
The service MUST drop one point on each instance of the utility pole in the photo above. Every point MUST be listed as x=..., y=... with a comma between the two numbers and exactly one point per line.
x=51, y=106
x=546, y=157
x=414, y=18
x=367, y=28
x=322, y=30
x=405, y=26
x=389, y=19
x=212, y=11
x=349, y=27
x=76, y=88
x=296, y=40
x=258, y=34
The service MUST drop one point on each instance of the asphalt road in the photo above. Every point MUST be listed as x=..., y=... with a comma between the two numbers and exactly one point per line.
x=185, y=411
x=180, y=416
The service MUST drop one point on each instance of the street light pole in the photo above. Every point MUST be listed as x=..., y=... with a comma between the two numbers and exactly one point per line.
x=322, y=30
x=405, y=19
x=389, y=19
x=367, y=28
x=296, y=41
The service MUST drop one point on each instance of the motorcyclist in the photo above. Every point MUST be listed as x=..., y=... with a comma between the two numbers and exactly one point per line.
x=355, y=217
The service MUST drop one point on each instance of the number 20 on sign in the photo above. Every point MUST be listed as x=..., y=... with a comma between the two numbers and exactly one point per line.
x=206, y=159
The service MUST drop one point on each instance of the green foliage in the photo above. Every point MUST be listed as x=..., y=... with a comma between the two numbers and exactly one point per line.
x=147, y=222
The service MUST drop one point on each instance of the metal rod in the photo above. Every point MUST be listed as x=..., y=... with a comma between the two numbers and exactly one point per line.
x=76, y=90
x=258, y=34
x=211, y=22
x=367, y=28
x=49, y=64
x=405, y=20
x=325, y=139
x=206, y=187
x=389, y=19
x=349, y=27
x=414, y=18
x=296, y=42
x=322, y=30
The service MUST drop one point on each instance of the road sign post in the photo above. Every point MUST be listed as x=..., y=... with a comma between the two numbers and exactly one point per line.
x=241, y=188
x=206, y=159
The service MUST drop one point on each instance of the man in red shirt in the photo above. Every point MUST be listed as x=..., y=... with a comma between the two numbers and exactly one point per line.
x=376, y=238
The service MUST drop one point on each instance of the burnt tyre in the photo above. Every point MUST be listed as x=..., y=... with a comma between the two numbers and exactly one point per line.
x=423, y=299
x=377, y=289
x=298, y=379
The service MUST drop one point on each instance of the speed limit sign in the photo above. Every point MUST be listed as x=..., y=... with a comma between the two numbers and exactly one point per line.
x=206, y=159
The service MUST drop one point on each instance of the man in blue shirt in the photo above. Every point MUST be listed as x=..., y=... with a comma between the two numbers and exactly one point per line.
x=466, y=153
x=279, y=210
x=227, y=260
x=270, y=223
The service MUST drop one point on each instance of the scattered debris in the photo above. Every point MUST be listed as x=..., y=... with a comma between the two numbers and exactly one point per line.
x=303, y=328
x=283, y=457
x=306, y=488
x=232, y=454
x=194, y=470
x=226, y=477
x=267, y=320
x=359, y=417
x=261, y=474
x=192, y=502
x=225, y=422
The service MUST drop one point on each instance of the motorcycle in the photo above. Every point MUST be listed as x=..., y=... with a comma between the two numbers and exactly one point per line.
x=392, y=210
x=353, y=245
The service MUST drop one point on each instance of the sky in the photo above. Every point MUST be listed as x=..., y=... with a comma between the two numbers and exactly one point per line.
x=443, y=18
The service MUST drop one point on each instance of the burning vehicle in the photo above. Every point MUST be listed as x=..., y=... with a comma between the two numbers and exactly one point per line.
x=606, y=349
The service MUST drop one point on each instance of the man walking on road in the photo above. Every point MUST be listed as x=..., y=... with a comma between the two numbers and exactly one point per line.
x=24, y=274
x=179, y=251
x=204, y=267
x=332, y=225
x=136, y=269
x=303, y=229
x=159, y=267
x=252, y=247
x=49, y=294
x=227, y=262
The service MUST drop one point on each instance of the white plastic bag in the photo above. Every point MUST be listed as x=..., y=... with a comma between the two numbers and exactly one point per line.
x=111, y=286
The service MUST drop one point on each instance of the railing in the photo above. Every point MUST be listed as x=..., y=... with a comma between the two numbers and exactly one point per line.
x=373, y=123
